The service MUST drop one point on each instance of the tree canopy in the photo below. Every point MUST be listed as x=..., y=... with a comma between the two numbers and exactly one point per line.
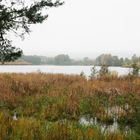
x=17, y=17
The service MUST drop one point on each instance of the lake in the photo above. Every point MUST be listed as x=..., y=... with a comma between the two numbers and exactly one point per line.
x=57, y=69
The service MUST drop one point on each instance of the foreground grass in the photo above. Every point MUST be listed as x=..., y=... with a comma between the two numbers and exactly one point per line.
x=28, y=129
x=49, y=106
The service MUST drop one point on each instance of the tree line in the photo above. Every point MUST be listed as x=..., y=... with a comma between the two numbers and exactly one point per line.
x=64, y=59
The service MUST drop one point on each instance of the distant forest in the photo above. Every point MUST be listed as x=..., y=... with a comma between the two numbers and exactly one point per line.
x=62, y=59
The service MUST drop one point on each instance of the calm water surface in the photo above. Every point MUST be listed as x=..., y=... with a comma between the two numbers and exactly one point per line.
x=57, y=69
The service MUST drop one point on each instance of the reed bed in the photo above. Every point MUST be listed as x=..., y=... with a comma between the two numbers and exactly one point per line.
x=48, y=107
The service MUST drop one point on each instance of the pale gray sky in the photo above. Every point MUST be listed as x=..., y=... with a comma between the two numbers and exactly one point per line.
x=87, y=28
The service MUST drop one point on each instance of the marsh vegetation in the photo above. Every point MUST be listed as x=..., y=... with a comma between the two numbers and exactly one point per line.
x=50, y=107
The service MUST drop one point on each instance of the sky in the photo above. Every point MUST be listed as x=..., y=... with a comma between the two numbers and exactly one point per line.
x=89, y=28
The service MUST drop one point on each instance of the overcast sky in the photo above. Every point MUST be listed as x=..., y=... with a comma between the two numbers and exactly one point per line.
x=87, y=28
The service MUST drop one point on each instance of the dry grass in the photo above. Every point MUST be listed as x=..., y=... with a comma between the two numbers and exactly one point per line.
x=46, y=98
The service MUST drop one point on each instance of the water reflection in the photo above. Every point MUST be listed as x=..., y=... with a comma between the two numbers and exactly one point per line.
x=105, y=128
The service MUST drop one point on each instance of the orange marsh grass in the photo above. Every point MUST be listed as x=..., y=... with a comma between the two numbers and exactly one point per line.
x=38, y=98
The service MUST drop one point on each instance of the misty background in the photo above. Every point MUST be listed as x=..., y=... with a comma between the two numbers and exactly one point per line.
x=87, y=28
